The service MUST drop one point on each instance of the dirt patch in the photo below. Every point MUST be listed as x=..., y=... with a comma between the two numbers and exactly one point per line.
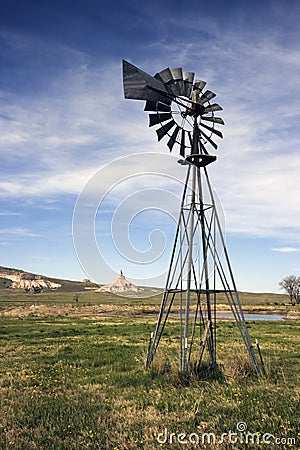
x=293, y=315
x=75, y=311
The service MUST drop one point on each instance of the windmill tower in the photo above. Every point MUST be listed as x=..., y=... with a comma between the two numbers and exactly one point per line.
x=200, y=268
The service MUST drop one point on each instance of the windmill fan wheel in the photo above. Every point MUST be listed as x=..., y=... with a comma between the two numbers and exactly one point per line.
x=186, y=116
x=179, y=105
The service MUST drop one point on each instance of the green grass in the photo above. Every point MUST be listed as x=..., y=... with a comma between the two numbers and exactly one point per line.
x=15, y=297
x=77, y=383
x=250, y=300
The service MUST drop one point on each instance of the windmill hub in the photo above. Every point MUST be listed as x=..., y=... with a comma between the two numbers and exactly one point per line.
x=194, y=110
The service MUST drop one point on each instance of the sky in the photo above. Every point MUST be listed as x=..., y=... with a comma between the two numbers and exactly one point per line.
x=69, y=139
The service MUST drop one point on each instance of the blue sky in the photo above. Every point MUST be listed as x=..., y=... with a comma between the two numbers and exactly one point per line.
x=64, y=120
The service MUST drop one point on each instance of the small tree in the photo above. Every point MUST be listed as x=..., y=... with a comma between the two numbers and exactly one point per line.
x=291, y=285
x=76, y=297
x=297, y=292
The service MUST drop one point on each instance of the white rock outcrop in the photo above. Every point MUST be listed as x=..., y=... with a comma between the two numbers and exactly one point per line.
x=119, y=285
x=28, y=281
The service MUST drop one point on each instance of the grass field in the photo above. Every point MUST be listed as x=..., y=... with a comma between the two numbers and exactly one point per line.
x=76, y=382
x=250, y=300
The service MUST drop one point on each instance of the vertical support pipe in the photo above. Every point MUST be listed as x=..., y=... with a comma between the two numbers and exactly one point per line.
x=189, y=274
x=181, y=305
x=211, y=345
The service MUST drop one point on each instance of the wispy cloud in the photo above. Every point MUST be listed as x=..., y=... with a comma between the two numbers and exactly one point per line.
x=286, y=249
x=55, y=140
x=17, y=233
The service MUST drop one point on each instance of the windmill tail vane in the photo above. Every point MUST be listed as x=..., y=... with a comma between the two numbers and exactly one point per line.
x=180, y=106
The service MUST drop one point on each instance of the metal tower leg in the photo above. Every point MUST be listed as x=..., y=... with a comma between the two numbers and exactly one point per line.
x=177, y=259
x=205, y=248
x=232, y=294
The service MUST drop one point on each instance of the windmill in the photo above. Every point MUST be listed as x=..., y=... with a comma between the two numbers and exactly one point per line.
x=184, y=113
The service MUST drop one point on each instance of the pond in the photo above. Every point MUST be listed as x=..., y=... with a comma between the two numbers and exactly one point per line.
x=254, y=316
x=269, y=317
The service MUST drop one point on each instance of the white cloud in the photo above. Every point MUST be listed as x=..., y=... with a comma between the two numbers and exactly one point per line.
x=17, y=232
x=68, y=181
x=286, y=249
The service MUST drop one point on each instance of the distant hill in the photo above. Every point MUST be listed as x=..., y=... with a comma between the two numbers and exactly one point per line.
x=11, y=278
x=19, y=280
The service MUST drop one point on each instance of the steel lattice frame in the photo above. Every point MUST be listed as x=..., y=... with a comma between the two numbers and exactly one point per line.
x=193, y=286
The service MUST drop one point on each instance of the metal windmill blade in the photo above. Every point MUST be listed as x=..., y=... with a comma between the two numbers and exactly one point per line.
x=182, y=144
x=173, y=138
x=214, y=119
x=155, y=119
x=208, y=95
x=208, y=139
x=188, y=78
x=212, y=130
x=156, y=106
x=199, y=85
x=165, y=76
x=163, y=131
x=177, y=83
x=213, y=107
